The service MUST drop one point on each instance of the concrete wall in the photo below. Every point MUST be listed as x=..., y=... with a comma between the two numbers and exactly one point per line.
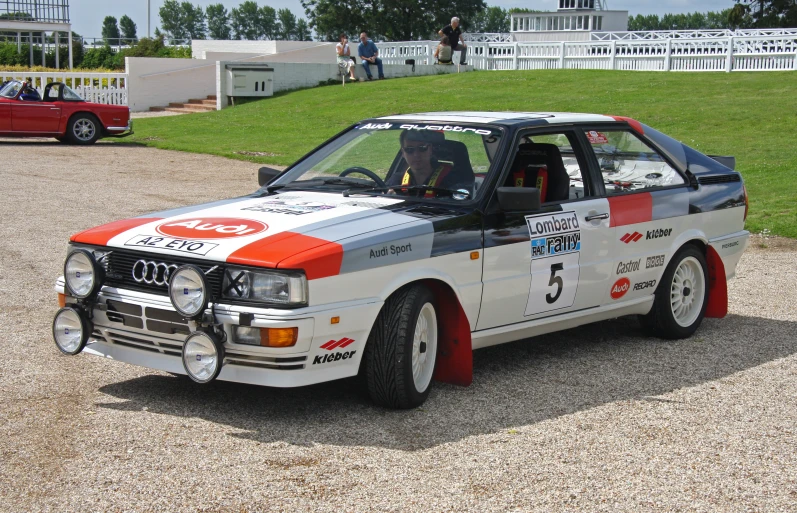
x=290, y=75
x=319, y=53
x=200, y=47
x=156, y=82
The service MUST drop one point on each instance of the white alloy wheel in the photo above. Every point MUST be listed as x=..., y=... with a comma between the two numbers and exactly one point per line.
x=424, y=347
x=687, y=291
x=84, y=129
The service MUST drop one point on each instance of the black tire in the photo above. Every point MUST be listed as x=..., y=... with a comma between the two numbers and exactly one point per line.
x=388, y=352
x=661, y=320
x=62, y=140
x=83, y=129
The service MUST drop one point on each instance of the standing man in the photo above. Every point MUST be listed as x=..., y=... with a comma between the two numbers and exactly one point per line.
x=454, y=34
x=370, y=55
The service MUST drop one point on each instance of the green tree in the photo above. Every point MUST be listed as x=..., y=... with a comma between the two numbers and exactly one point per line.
x=244, y=20
x=128, y=28
x=303, y=31
x=491, y=19
x=218, y=21
x=396, y=20
x=267, y=24
x=193, y=19
x=110, y=30
x=766, y=13
x=287, y=24
x=171, y=16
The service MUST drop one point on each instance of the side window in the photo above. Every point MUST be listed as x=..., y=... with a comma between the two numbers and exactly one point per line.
x=628, y=164
x=549, y=163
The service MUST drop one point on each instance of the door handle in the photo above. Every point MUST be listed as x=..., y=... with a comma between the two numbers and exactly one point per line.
x=594, y=217
x=55, y=108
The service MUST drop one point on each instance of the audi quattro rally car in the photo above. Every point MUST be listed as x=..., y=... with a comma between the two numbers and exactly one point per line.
x=404, y=243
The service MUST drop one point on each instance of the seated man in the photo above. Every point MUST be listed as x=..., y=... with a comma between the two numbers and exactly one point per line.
x=370, y=55
x=419, y=149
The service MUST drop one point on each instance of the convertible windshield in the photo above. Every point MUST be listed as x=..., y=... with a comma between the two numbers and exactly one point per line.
x=11, y=89
x=443, y=162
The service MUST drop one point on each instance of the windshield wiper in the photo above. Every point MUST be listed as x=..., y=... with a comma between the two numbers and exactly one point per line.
x=438, y=190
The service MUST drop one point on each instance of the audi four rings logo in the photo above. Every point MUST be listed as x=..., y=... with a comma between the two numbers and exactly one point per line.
x=152, y=273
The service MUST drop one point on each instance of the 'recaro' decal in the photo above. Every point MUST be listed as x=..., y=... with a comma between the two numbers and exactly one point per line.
x=211, y=228
x=642, y=285
x=620, y=287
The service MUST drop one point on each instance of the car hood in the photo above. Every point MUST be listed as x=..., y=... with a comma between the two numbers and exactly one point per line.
x=291, y=230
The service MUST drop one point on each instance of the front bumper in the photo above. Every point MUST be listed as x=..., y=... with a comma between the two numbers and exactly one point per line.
x=143, y=329
x=120, y=131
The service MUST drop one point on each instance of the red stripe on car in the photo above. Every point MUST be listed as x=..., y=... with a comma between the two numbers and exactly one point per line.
x=635, y=125
x=318, y=258
x=102, y=234
x=630, y=209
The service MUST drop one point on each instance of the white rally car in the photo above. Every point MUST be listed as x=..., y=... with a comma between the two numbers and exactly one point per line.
x=404, y=243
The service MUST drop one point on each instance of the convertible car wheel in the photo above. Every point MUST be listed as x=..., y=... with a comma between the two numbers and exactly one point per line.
x=402, y=348
x=681, y=297
x=83, y=129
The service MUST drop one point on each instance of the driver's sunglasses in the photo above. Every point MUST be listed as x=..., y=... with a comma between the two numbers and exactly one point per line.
x=420, y=149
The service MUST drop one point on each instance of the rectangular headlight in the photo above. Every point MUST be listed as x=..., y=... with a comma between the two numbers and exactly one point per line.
x=277, y=288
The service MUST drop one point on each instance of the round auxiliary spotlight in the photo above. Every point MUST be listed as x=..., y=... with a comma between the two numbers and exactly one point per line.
x=82, y=274
x=188, y=291
x=71, y=330
x=203, y=356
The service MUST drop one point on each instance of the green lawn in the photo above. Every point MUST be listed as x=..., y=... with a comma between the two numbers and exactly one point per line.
x=750, y=115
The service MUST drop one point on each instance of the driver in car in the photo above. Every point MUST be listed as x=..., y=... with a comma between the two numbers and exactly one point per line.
x=419, y=149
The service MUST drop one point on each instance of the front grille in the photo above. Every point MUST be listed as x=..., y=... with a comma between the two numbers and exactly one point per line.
x=119, y=271
x=149, y=343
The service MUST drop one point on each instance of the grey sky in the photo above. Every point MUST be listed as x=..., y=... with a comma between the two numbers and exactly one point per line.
x=87, y=15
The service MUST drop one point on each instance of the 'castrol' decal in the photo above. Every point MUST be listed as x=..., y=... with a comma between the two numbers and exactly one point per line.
x=211, y=228
x=620, y=287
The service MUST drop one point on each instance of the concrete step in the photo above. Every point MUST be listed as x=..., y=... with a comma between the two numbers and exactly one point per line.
x=212, y=97
x=196, y=107
x=202, y=102
x=156, y=109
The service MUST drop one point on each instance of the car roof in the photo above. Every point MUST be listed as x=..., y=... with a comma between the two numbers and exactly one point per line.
x=501, y=117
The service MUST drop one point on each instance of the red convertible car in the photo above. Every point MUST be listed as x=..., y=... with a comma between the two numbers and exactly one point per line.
x=60, y=112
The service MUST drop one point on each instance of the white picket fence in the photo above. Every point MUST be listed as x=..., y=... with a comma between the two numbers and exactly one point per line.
x=107, y=88
x=734, y=53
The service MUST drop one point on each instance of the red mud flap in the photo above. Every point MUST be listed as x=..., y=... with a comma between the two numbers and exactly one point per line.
x=717, y=285
x=454, y=354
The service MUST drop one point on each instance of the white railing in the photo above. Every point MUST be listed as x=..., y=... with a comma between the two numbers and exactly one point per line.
x=690, y=34
x=487, y=37
x=108, y=88
x=746, y=53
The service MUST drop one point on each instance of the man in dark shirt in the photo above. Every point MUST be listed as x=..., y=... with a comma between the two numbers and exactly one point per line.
x=419, y=149
x=454, y=34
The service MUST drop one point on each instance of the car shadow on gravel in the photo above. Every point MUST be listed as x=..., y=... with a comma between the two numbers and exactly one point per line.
x=515, y=384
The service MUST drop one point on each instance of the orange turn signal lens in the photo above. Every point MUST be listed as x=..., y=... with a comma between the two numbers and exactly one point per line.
x=61, y=300
x=278, y=337
x=334, y=320
x=474, y=255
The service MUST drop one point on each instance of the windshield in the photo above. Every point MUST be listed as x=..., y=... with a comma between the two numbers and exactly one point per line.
x=439, y=162
x=11, y=89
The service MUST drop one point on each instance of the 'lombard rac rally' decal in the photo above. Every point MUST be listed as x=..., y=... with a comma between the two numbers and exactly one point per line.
x=211, y=228
x=555, y=250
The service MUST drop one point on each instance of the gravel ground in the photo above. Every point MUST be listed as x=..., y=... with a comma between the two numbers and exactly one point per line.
x=597, y=418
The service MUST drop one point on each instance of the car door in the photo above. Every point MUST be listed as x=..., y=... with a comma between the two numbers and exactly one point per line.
x=649, y=202
x=555, y=259
x=36, y=116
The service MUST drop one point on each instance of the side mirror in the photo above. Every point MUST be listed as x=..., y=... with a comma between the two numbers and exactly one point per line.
x=266, y=174
x=518, y=199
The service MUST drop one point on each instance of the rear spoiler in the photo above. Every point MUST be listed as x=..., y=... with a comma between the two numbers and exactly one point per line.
x=729, y=162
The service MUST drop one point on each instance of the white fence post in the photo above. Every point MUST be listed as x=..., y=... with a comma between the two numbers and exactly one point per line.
x=668, y=55
x=729, y=62
x=562, y=55
x=612, y=60
x=514, y=55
